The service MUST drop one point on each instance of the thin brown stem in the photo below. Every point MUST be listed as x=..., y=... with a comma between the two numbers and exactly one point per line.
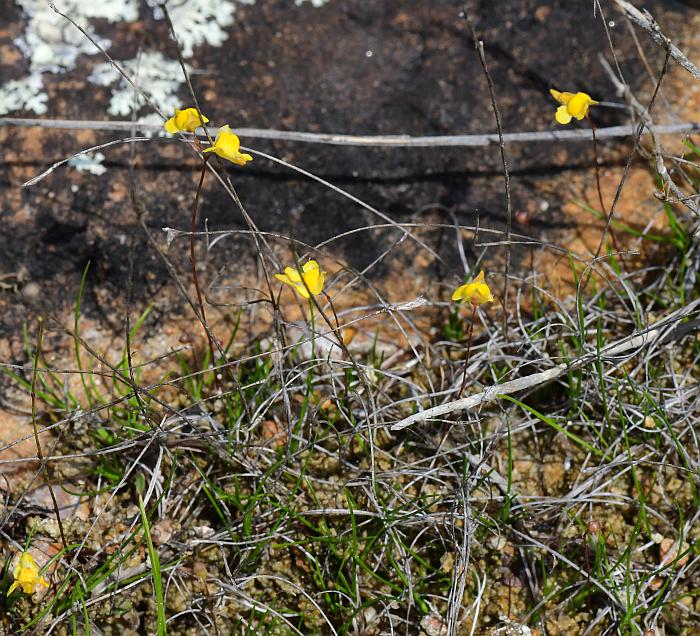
x=338, y=334
x=469, y=348
x=193, y=261
x=603, y=209
x=39, y=453
x=479, y=46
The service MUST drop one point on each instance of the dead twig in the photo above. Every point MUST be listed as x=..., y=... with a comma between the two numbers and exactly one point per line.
x=634, y=343
x=646, y=21
x=381, y=141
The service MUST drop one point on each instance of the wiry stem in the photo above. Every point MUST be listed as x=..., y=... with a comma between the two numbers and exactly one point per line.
x=469, y=348
x=193, y=261
x=39, y=453
x=598, y=187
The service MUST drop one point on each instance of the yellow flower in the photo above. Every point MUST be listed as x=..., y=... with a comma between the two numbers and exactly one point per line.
x=226, y=145
x=186, y=120
x=310, y=274
x=26, y=575
x=572, y=105
x=477, y=292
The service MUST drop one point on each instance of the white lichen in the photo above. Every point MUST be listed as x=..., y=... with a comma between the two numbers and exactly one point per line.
x=197, y=21
x=88, y=162
x=23, y=94
x=51, y=44
x=158, y=76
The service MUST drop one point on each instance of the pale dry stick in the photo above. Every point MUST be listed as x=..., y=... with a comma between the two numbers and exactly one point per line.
x=476, y=604
x=479, y=46
x=459, y=574
x=646, y=21
x=680, y=196
x=378, y=141
x=650, y=72
x=492, y=393
x=657, y=149
x=50, y=169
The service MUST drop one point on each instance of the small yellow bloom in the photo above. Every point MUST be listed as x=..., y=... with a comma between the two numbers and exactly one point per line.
x=477, y=292
x=572, y=105
x=226, y=145
x=186, y=120
x=310, y=279
x=26, y=575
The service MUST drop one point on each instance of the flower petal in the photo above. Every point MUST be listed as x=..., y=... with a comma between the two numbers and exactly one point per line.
x=578, y=106
x=562, y=115
x=556, y=94
x=302, y=290
x=239, y=158
x=293, y=274
x=170, y=126
x=314, y=280
x=459, y=293
x=562, y=98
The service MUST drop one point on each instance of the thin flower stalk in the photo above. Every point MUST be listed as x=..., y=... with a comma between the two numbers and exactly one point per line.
x=577, y=106
x=477, y=292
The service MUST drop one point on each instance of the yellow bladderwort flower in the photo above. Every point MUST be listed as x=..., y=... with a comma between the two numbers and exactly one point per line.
x=572, y=105
x=186, y=120
x=477, y=292
x=226, y=145
x=26, y=575
x=310, y=274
